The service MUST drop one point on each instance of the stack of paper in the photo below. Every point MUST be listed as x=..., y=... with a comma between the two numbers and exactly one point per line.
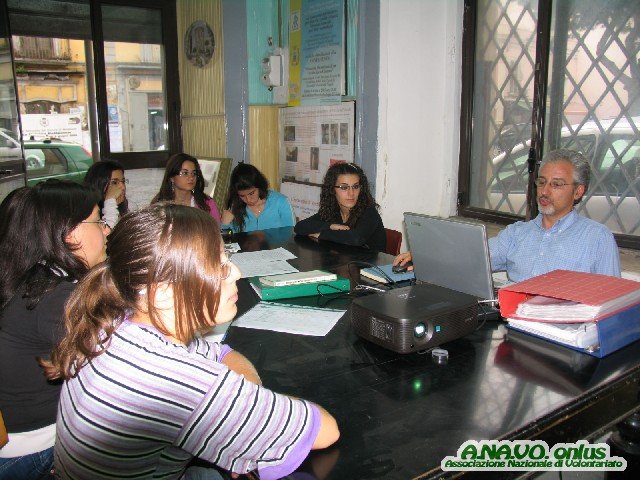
x=264, y=262
x=567, y=296
x=580, y=335
x=596, y=314
x=544, y=308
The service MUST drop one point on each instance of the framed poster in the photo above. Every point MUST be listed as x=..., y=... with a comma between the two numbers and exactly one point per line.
x=314, y=138
x=216, y=173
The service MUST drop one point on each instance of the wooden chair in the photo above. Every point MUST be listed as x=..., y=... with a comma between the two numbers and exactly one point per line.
x=3, y=433
x=394, y=240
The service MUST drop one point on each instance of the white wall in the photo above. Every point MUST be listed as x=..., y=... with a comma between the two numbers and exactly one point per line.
x=419, y=108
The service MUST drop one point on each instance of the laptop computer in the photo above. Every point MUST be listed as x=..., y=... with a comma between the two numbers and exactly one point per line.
x=450, y=253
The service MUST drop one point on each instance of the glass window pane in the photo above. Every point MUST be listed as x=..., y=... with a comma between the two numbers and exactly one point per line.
x=594, y=103
x=11, y=167
x=134, y=70
x=504, y=70
x=54, y=103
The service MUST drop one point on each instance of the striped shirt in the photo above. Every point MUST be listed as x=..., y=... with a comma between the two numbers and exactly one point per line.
x=146, y=407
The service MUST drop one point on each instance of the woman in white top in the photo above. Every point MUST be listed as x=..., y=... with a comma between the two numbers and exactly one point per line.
x=107, y=177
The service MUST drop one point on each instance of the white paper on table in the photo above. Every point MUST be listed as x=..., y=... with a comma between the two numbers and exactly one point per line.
x=232, y=247
x=217, y=333
x=265, y=269
x=279, y=317
x=264, y=262
x=264, y=255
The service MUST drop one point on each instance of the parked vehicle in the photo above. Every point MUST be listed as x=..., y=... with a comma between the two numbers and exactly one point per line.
x=55, y=159
x=9, y=146
x=613, y=197
x=47, y=158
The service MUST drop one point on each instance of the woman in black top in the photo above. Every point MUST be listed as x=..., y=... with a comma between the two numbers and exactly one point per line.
x=50, y=236
x=348, y=213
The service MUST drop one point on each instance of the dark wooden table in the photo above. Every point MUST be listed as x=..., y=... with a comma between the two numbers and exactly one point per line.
x=399, y=415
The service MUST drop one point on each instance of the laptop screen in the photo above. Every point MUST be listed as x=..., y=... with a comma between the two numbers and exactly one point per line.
x=450, y=253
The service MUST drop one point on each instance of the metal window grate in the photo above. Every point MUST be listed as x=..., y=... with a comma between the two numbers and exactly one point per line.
x=593, y=104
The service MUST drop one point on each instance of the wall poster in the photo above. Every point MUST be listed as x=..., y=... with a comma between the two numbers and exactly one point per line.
x=312, y=139
x=316, y=60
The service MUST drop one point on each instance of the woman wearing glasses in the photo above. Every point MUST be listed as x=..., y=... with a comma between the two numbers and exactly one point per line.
x=50, y=236
x=144, y=394
x=107, y=177
x=183, y=184
x=251, y=205
x=348, y=213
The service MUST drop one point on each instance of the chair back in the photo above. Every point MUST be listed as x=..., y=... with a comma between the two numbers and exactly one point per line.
x=394, y=240
x=4, y=438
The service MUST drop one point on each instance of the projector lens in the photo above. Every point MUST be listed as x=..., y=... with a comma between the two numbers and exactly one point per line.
x=419, y=330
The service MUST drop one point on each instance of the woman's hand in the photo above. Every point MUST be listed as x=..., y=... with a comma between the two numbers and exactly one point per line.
x=115, y=191
x=402, y=259
x=337, y=226
x=227, y=217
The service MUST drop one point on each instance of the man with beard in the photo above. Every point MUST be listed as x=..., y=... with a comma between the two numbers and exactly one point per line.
x=558, y=238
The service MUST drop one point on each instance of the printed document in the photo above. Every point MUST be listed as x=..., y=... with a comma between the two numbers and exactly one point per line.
x=580, y=335
x=264, y=262
x=232, y=247
x=279, y=317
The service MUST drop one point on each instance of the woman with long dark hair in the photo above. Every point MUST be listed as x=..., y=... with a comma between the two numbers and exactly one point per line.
x=183, y=184
x=107, y=177
x=251, y=205
x=143, y=393
x=348, y=213
x=50, y=236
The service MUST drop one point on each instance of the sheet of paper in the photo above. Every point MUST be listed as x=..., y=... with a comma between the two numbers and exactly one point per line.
x=232, y=247
x=264, y=255
x=279, y=317
x=217, y=333
x=264, y=262
x=260, y=269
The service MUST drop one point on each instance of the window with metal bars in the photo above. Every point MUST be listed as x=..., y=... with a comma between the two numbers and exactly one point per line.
x=540, y=75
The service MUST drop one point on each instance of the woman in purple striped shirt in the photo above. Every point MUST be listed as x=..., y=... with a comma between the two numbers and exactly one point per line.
x=144, y=394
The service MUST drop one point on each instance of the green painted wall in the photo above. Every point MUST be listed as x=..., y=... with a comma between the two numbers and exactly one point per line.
x=262, y=23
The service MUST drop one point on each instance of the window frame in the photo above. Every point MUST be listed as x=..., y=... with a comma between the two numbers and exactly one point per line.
x=148, y=159
x=543, y=36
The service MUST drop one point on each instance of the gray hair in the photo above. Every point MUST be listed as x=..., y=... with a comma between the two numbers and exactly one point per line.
x=581, y=167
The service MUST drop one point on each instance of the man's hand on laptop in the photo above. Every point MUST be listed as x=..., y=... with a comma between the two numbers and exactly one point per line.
x=402, y=260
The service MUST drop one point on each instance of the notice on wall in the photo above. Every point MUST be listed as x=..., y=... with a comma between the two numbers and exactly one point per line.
x=304, y=198
x=314, y=138
x=316, y=52
x=63, y=126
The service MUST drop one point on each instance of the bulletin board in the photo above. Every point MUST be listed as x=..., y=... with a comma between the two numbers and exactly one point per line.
x=312, y=139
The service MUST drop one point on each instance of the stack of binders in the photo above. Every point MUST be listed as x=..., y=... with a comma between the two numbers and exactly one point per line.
x=595, y=314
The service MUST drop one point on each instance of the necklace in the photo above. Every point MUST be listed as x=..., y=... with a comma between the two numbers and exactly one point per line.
x=257, y=209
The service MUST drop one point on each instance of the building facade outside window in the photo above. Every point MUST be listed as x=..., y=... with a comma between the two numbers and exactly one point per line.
x=101, y=81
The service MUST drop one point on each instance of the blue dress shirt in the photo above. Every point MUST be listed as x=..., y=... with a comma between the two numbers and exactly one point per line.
x=277, y=213
x=526, y=249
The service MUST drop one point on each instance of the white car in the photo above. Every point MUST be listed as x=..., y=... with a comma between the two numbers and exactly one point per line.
x=613, y=197
x=9, y=146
